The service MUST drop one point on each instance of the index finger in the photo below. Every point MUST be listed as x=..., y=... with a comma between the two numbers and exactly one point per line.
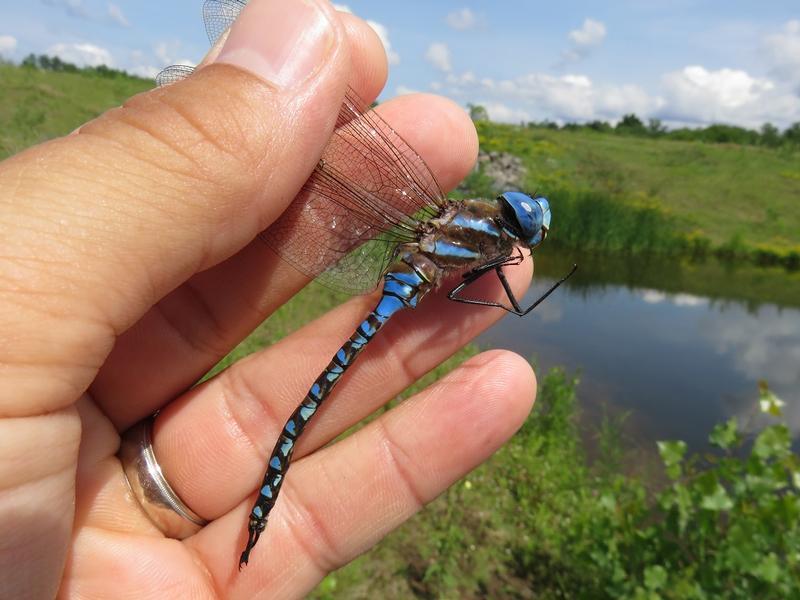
x=99, y=225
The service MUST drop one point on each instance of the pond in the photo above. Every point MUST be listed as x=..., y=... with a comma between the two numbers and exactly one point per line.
x=677, y=346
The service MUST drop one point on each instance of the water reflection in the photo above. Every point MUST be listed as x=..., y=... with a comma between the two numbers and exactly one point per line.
x=678, y=360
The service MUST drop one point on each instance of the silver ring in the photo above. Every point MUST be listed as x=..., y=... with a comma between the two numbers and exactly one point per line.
x=158, y=500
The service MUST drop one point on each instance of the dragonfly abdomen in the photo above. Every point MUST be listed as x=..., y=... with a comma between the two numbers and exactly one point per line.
x=409, y=278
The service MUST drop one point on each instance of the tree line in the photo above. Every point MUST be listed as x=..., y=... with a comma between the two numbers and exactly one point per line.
x=768, y=135
x=55, y=64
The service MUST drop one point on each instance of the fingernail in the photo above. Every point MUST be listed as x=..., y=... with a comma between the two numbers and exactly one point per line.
x=281, y=41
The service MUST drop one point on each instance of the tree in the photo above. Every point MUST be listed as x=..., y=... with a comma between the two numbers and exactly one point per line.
x=792, y=134
x=602, y=126
x=477, y=112
x=655, y=127
x=770, y=136
x=631, y=124
x=30, y=61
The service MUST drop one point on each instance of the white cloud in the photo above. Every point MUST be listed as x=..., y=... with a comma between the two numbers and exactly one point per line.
x=698, y=95
x=461, y=19
x=568, y=97
x=762, y=346
x=383, y=33
x=583, y=41
x=591, y=33
x=438, y=54
x=8, y=43
x=504, y=114
x=82, y=55
x=693, y=95
x=689, y=300
x=783, y=53
x=651, y=296
x=402, y=90
x=144, y=71
x=116, y=15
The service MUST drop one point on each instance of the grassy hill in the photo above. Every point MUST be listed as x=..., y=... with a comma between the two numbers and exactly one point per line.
x=38, y=105
x=723, y=192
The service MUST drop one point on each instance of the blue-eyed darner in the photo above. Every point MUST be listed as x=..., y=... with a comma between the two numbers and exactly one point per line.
x=372, y=209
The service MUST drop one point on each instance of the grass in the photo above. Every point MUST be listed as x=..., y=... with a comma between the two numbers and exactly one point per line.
x=38, y=105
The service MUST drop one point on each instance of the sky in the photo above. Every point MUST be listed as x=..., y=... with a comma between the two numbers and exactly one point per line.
x=686, y=62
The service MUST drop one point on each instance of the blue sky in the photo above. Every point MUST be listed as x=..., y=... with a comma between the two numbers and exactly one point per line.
x=684, y=61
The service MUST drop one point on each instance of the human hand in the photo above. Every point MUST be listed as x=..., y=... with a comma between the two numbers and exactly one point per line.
x=128, y=268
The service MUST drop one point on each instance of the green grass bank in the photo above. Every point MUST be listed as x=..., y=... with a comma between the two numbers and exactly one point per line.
x=37, y=105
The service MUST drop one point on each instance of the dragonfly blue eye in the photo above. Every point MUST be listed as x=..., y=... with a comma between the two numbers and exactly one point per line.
x=526, y=218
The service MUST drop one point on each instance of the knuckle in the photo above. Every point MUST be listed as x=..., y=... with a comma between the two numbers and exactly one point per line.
x=211, y=128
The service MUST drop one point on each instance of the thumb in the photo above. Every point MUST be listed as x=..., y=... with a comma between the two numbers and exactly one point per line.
x=171, y=183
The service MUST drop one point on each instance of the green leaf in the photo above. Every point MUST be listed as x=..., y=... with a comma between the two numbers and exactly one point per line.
x=725, y=434
x=769, y=569
x=717, y=500
x=683, y=499
x=608, y=502
x=655, y=577
x=672, y=453
x=773, y=442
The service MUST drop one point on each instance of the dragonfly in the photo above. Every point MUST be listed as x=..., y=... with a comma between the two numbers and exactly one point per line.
x=383, y=217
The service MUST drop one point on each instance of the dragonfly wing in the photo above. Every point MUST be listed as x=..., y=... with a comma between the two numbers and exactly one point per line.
x=172, y=74
x=369, y=192
x=219, y=15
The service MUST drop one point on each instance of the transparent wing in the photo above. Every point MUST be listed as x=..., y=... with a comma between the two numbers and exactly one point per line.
x=369, y=192
x=219, y=15
x=172, y=74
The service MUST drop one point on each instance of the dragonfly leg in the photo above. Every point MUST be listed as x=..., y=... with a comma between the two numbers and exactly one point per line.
x=509, y=292
x=500, y=261
x=516, y=309
x=493, y=265
x=541, y=298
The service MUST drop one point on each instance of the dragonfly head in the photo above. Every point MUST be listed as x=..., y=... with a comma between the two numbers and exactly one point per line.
x=525, y=218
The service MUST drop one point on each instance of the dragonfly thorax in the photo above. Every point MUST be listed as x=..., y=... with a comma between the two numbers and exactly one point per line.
x=469, y=233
